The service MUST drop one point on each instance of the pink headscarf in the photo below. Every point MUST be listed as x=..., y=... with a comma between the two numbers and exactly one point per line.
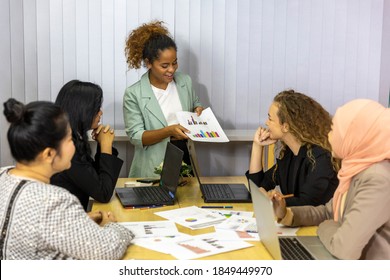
x=361, y=137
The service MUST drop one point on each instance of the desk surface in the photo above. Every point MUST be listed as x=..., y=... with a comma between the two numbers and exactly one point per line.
x=187, y=195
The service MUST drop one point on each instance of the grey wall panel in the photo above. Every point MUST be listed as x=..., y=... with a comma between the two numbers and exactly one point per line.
x=30, y=53
x=5, y=77
x=239, y=53
x=82, y=40
x=17, y=50
x=43, y=49
x=384, y=91
x=56, y=47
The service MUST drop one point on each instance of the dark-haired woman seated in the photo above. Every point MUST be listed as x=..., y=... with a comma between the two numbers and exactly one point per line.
x=88, y=177
x=39, y=220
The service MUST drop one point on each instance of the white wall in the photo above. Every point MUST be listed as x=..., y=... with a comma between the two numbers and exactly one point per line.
x=240, y=53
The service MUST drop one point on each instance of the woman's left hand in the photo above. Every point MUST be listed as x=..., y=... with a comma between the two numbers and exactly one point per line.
x=278, y=203
x=96, y=216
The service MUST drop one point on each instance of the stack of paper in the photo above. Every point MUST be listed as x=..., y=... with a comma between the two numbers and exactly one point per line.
x=192, y=217
x=232, y=229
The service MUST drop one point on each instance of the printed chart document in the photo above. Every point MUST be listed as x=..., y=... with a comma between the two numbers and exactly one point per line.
x=192, y=217
x=160, y=244
x=229, y=213
x=239, y=223
x=204, y=245
x=204, y=128
x=246, y=228
x=239, y=227
x=152, y=229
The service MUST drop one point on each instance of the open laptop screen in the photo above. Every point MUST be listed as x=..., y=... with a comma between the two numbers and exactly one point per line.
x=170, y=174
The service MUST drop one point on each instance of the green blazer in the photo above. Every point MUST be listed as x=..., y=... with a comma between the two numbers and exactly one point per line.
x=142, y=112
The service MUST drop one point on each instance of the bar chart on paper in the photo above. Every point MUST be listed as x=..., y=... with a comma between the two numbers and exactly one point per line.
x=203, y=128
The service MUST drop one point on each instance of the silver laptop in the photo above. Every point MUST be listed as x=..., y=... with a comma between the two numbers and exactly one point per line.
x=283, y=247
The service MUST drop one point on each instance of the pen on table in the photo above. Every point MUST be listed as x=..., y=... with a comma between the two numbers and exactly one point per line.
x=216, y=206
x=287, y=195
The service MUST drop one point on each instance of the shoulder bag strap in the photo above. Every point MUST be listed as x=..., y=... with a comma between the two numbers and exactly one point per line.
x=4, y=229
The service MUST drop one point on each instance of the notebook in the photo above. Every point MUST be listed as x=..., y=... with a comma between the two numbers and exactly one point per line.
x=165, y=193
x=233, y=193
x=283, y=247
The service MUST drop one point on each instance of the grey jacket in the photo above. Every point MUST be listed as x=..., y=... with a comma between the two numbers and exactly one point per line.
x=48, y=222
x=363, y=231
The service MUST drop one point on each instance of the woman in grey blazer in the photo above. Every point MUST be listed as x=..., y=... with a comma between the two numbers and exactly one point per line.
x=355, y=224
x=150, y=105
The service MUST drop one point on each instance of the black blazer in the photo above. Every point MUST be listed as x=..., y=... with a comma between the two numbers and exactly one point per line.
x=91, y=178
x=309, y=186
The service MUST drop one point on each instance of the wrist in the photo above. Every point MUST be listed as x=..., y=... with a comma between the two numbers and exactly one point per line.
x=106, y=148
x=287, y=219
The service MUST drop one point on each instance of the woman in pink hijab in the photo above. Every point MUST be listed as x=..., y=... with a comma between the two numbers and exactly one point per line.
x=355, y=224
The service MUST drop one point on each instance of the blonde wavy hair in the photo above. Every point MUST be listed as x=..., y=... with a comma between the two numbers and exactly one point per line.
x=146, y=42
x=308, y=121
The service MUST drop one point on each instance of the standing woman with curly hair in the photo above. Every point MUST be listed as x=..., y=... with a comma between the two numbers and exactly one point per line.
x=305, y=167
x=150, y=105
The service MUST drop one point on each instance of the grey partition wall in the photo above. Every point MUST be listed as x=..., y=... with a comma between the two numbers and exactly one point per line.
x=239, y=53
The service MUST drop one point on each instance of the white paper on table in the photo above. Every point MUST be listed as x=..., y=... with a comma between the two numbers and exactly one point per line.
x=245, y=224
x=205, y=245
x=283, y=230
x=152, y=228
x=192, y=217
x=229, y=213
x=160, y=244
x=243, y=227
x=227, y=234
x=238, y=223
x=203, y=128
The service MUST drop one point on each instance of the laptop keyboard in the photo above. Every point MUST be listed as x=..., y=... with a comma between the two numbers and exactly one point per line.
x=217, y=191
x=154, y=194
x=293, y=250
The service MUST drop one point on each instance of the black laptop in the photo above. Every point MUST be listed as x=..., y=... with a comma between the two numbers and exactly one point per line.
x=233, y=193
x=165, y=193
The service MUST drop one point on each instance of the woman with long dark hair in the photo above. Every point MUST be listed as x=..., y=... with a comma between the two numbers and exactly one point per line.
x=43, y=221
x=88, y=177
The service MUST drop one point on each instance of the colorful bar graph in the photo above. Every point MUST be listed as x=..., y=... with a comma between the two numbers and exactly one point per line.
x=192, y=121
x=207, y=134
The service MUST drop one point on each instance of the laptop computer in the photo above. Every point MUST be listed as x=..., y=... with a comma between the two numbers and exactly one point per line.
x=165, y=193
x=283, y=247
x=233, y=193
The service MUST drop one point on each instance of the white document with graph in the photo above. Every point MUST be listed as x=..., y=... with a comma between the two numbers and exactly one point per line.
x=203, y=128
